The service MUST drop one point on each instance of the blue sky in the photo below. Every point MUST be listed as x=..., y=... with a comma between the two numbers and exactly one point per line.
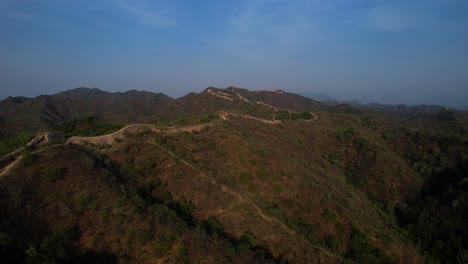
x=390, y=51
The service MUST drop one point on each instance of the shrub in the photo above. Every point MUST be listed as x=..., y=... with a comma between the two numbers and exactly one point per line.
x=330, y=215
x=27, y=158
x=12, y=143
x=230, y=251
x=184, y=209
x=52, y=174
x=333, y=158
x=87, y=162
x=249, y=108
x=83, y=201
x=278, y=188
x=142, y=132
x=213, y=226
x=5, y=240
x=248, y=239
x=182, y=122
x=311, y=231
x=347, y=136
x=305, y=115
x=331, y=242
x=87, y=126
x=263, y=173
x=245, y=176
x=362, y=251
x=53, y=249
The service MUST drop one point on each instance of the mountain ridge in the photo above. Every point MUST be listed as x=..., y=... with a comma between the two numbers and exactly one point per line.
x=267, y=176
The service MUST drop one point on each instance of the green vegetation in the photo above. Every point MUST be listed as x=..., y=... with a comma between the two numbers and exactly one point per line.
x=310, y=232
x=8, y=145
x=213, y=226
x=248, y=239
x=140, y=166
x=189, y=120
x=87, y=126
x=288, y=115
x=436, y=220
x=52, y=174
x=330, y=215
x=52, y=249
x=158, y=225
x=249, y=108
x=362, y=251
x=245, y=177
x=27, y=158
x=331, y=242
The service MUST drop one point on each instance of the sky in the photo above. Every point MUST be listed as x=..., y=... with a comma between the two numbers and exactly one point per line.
x=387, y=51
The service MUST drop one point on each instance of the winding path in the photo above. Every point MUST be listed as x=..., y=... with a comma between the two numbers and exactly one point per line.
x=228, y=97
x=109, y=139
x=227, y=190
x=133, y=128
x=243, y=200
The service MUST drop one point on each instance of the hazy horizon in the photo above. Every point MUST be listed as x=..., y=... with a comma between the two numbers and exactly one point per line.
x=368, y=50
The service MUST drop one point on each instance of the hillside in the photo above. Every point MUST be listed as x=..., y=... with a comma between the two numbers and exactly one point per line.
x=92, y=111
x=47, y=111
x=405, y=110
x=237, y=176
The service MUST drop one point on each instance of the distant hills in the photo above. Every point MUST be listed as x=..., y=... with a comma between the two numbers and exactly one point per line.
x=319, y=96
x=405, y=110
x=395, y=110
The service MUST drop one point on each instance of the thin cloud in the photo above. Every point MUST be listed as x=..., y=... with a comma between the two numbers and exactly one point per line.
x=392, y=18
x=261, y=27
x=18, y=15
x=11, y=13
x=417, y=15
x=148, y=14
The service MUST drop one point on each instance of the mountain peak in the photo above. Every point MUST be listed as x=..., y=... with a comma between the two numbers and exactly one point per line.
x=82, y=92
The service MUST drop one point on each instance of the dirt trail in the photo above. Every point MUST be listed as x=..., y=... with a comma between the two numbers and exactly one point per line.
x=109, y=139
x=12, y=155
x=225, y=189
x=226, y=115
x=221, y=95
x=226, y=96
x=7, y=162
x=313, y=119
x=266, y=121
x=9, y=167
x=243, y=200
x=173, y=252
x=241, y=97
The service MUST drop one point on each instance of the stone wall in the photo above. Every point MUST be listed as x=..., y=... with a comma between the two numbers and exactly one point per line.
x=54, y=138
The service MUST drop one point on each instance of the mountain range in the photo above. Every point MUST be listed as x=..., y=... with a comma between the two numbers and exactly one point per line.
x=401, y=110
x=230, y=176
